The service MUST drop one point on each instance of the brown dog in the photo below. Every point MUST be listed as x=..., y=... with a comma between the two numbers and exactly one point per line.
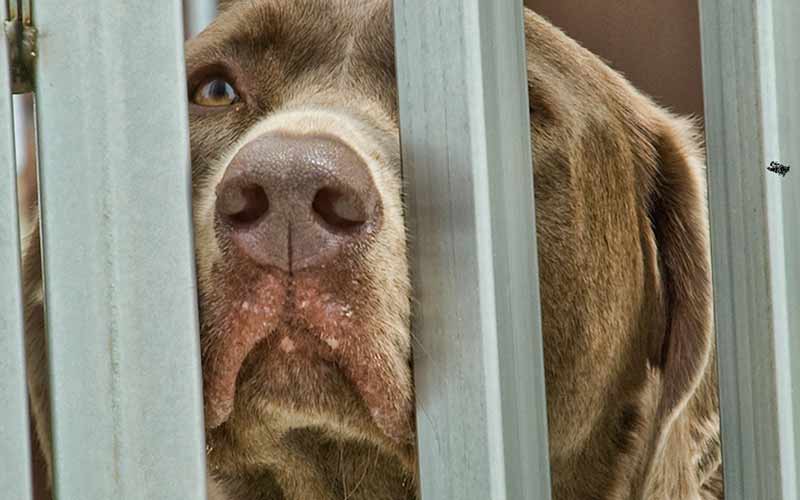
x=303, y=277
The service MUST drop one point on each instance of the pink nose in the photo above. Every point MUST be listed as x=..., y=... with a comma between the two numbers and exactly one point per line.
x=296, y=201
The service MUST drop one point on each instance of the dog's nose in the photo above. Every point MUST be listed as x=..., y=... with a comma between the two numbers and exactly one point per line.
x=297, y=201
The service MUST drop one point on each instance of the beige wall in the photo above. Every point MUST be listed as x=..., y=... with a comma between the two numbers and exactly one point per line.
x=656, y=44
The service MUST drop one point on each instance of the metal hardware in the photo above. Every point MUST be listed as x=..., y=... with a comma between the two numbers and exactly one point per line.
x=22, y=42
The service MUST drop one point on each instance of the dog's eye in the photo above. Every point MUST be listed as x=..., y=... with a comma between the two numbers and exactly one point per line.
x=215, y=93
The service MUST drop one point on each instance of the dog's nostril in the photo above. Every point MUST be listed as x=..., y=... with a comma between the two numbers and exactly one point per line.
x=339, y=210
x=244, y=205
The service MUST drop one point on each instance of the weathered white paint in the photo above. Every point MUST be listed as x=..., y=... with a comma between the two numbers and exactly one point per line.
x=479, y=375
x=118, y=253
x=751, y=78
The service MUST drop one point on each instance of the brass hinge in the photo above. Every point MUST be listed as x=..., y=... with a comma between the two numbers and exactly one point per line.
x=21, y=35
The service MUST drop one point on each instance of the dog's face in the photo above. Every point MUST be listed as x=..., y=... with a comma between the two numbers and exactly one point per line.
x=304, y=280
x=301, y=246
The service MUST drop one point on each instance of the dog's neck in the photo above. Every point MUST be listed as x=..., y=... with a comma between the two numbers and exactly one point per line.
x=306, y=467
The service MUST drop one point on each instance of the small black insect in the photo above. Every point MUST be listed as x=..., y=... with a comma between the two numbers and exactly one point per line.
x=778, y=168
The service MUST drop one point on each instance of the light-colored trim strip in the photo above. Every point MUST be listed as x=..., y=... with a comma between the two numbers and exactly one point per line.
x=15, y=473
x=120, y=287
x=467, y=163
x=787, y=81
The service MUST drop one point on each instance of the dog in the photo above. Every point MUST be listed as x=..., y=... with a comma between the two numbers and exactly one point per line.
x=303, y=277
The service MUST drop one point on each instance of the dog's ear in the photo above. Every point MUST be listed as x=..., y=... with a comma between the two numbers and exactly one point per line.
x=680, y=352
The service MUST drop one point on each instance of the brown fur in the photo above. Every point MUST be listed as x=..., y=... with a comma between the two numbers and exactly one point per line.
x=625, y=274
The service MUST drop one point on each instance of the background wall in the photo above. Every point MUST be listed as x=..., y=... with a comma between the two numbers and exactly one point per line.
x=655, y=44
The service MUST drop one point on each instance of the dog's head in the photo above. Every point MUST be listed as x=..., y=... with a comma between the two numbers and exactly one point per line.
x=301, y=250
x=304, y=280
x=301, y=246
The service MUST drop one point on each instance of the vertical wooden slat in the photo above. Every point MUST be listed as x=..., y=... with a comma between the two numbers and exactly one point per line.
x=118, y=254
x=467, y=163
x=15, y=474
x=750, y=226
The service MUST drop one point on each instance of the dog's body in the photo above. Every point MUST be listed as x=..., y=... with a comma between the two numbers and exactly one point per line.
x=304, y=294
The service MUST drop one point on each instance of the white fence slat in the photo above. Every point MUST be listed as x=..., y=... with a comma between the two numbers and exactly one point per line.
x=744, y=58
x=481, y=413
x=118, y=251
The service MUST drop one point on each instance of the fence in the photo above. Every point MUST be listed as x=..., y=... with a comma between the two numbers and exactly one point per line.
x=124, y=433
x=753, y=118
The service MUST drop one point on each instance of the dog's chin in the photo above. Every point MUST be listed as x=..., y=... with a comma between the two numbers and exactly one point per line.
x=282, y=353
x=289, y=384
x=292, y=380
